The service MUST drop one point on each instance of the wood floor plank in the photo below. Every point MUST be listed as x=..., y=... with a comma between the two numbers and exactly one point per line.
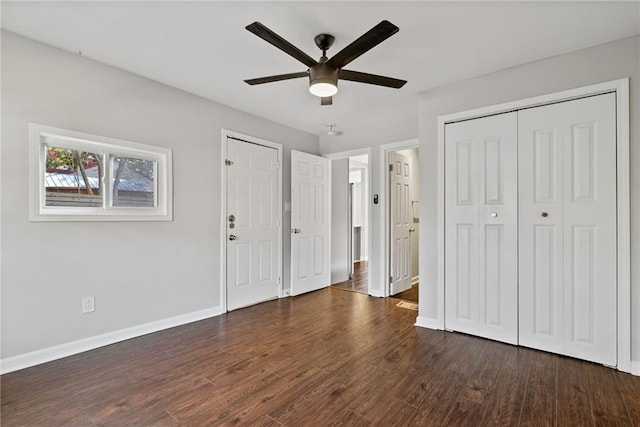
x=439, y=398
x=319, y=405
x=574, y=404
x=483, y=380
x=465, y=412
x=325, y=358
x=349, y=418
x=505, y=403
x=629, y=388
x=540, y=397
x=607, y=402
x=394, y=413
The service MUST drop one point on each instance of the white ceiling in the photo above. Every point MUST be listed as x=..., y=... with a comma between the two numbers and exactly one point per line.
x=203, y=48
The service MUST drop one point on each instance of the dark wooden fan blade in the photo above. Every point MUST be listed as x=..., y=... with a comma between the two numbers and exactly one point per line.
x=269, y=36
x=326, y=100
x=277, y=78
x=373, y=79
x=368, y=40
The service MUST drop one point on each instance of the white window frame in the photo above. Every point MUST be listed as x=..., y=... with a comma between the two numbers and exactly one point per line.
x=64, y=138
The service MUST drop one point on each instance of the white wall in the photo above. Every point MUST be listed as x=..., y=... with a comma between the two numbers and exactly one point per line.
x=339, y=220
x=589, y=66
x=394, y=130
x=139, y=271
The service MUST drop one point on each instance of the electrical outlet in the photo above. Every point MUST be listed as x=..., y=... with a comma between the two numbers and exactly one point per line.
x=88, y=304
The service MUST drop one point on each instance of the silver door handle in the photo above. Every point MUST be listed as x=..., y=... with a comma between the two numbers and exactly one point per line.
x=233, y=237
x=493, y=214
x=411, y=230
x=296, y=230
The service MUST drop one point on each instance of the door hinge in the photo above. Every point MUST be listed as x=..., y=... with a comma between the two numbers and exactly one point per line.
x=278, y=280
x=278, y=165
x=391, y=167
x=228, y=162
x=390, y=279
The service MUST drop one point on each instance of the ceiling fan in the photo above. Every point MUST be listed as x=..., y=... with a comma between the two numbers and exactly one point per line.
x=325, y=73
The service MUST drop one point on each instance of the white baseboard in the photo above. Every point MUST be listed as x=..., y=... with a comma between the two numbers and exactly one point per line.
x=48, y=354
x=415, y=280
x=376, y=293
x=427, y=322
x=635, y=367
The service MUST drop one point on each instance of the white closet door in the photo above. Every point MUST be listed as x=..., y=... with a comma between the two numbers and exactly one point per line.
x=567, y=261
x=481, y=276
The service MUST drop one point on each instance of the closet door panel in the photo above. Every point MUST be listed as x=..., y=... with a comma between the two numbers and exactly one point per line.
x=481, y=227
x=461, y=229
x=540, y=230
x=567, y=237
x=498, y=220
x=590, y=229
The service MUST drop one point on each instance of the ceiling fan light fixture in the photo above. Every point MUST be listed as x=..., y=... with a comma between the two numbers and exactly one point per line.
x=323, y=80
x=323, y=89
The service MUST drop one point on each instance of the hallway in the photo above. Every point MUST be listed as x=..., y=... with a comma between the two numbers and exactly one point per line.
x=359, y=283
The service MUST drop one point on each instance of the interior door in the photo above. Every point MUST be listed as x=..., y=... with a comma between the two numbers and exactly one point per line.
x=252, y=224
x=567, y=168
x=310, y=222
x=401, y=222
x=481, y=249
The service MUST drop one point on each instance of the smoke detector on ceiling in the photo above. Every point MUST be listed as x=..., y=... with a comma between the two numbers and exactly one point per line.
x=331, y=131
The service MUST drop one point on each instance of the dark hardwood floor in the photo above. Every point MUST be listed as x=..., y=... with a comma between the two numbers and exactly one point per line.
x=326, y=358
x=410, y=294
x=359, y=283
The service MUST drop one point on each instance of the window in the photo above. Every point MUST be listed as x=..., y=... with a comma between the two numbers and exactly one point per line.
x=82, y=177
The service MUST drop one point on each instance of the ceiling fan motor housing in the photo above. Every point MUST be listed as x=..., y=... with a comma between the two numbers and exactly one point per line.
x=322, y=73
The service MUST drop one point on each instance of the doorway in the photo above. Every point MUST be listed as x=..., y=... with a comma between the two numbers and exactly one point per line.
x=402, y=223
x=350, y=221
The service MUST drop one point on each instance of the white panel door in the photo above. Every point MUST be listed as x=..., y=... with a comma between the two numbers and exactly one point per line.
x=567, y=176
x=252, y=224
x=401, y=222
x=310, y=222
x=481, y=276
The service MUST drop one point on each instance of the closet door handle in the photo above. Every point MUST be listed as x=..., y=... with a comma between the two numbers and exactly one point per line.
x=544, y=215
x=493, y=214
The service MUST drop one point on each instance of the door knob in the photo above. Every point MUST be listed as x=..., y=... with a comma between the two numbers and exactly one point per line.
x=411, y=230
x=544, y=214
x=232, y=218
x=296, y=230
x=493, y=214
x=233, y=237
